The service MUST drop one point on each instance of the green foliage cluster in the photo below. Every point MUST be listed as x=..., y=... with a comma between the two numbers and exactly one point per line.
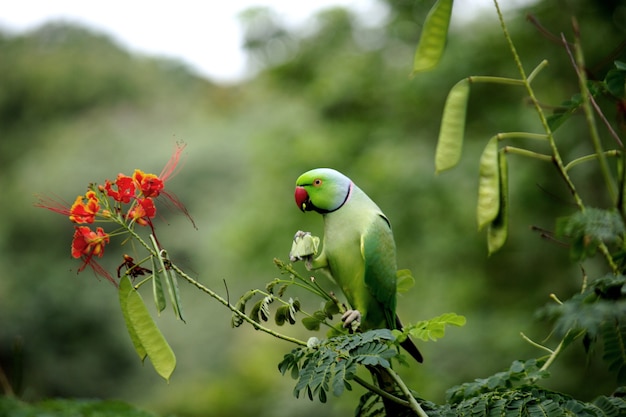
x=329, y=365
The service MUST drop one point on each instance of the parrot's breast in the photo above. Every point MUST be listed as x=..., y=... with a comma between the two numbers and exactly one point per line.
x=345, y=231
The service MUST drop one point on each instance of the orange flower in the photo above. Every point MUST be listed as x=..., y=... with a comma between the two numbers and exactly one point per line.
x=142, y=212
x=125, y=188
x=149, y=184
x=87, y=244
x=153, y=186
x=85, y=211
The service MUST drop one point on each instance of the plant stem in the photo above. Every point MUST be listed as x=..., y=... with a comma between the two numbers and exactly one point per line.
x=223, y=301
x=521, y=135
x=556, y=157
x=216, y=296
x=494, y=80
x=535, y=344
x=311, y=283
x=579, y=65
x=573, y=163
x=538, y=68
x=527, y=153
x=414, y=405
x=560, y=347
x=377, y=390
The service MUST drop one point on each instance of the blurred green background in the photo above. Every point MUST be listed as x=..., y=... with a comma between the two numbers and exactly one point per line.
x=76, y=108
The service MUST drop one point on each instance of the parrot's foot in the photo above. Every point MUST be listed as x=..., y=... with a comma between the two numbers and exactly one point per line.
x=304, y=247
x=351, y=319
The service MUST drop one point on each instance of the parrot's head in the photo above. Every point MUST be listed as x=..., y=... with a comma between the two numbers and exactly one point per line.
x=323, y=190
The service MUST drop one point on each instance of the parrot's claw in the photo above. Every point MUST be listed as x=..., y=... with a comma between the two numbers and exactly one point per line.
x=304, y=247
x=351, y=319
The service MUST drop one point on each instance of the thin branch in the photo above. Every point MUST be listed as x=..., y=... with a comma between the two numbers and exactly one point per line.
x=494, y=80
x=538, y=68
x=578, y=63
x=414, y=405
x=542, y=29
x=586, y=158
x=544, y=121
x=560, y=348
x=522, y=135
x=527, y=153
x=605, y=121
x=377, y=390
x=535, y=344
x=223, y=301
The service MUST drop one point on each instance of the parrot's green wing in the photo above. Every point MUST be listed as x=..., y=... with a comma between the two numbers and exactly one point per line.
x=378, y=250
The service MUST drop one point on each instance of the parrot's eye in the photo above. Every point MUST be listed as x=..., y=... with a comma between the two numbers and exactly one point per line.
x=317, y=182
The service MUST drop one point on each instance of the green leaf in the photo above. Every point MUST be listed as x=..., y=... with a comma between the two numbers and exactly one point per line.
x=562, y=113
x=405, y=280
x=433, y=38
x=614, y=336
x=611, y=406
x=282, y=315
x=236, y=319
x=330, y=364
x=331, y=308
x=172, y=288
x=170, y=279
x=519, y=373
x=498, y=228
x=157, y=288
x=374, y=354
x=124, y=289
x=450, y=141
x=311, y=323
x=587, y=229
x=488, y=185
x=615, y=81
x=434, y=328
x=148, y=334
x=344, y=371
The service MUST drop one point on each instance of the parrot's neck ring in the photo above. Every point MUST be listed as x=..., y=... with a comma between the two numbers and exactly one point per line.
x=348, y=194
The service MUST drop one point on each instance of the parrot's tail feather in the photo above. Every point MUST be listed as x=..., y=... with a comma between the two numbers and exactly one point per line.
x=408, y=344
x=410, y=347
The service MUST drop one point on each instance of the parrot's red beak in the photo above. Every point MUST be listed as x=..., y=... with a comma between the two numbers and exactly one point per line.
x=302, y=198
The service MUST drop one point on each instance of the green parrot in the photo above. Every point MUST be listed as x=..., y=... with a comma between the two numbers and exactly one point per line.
x=358, y=249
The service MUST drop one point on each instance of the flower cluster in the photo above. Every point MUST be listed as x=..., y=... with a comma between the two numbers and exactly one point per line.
x=126, y=201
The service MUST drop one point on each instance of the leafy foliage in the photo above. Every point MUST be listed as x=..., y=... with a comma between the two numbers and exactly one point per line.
x=509, y=393
x=614, y=336
x=330, y=365
x=531, y=401
x=432, y=329
x=590, y=228
x=144, y=333
x=519, y=374
x=612, y=85
x=602, y=301
x=598, y=313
